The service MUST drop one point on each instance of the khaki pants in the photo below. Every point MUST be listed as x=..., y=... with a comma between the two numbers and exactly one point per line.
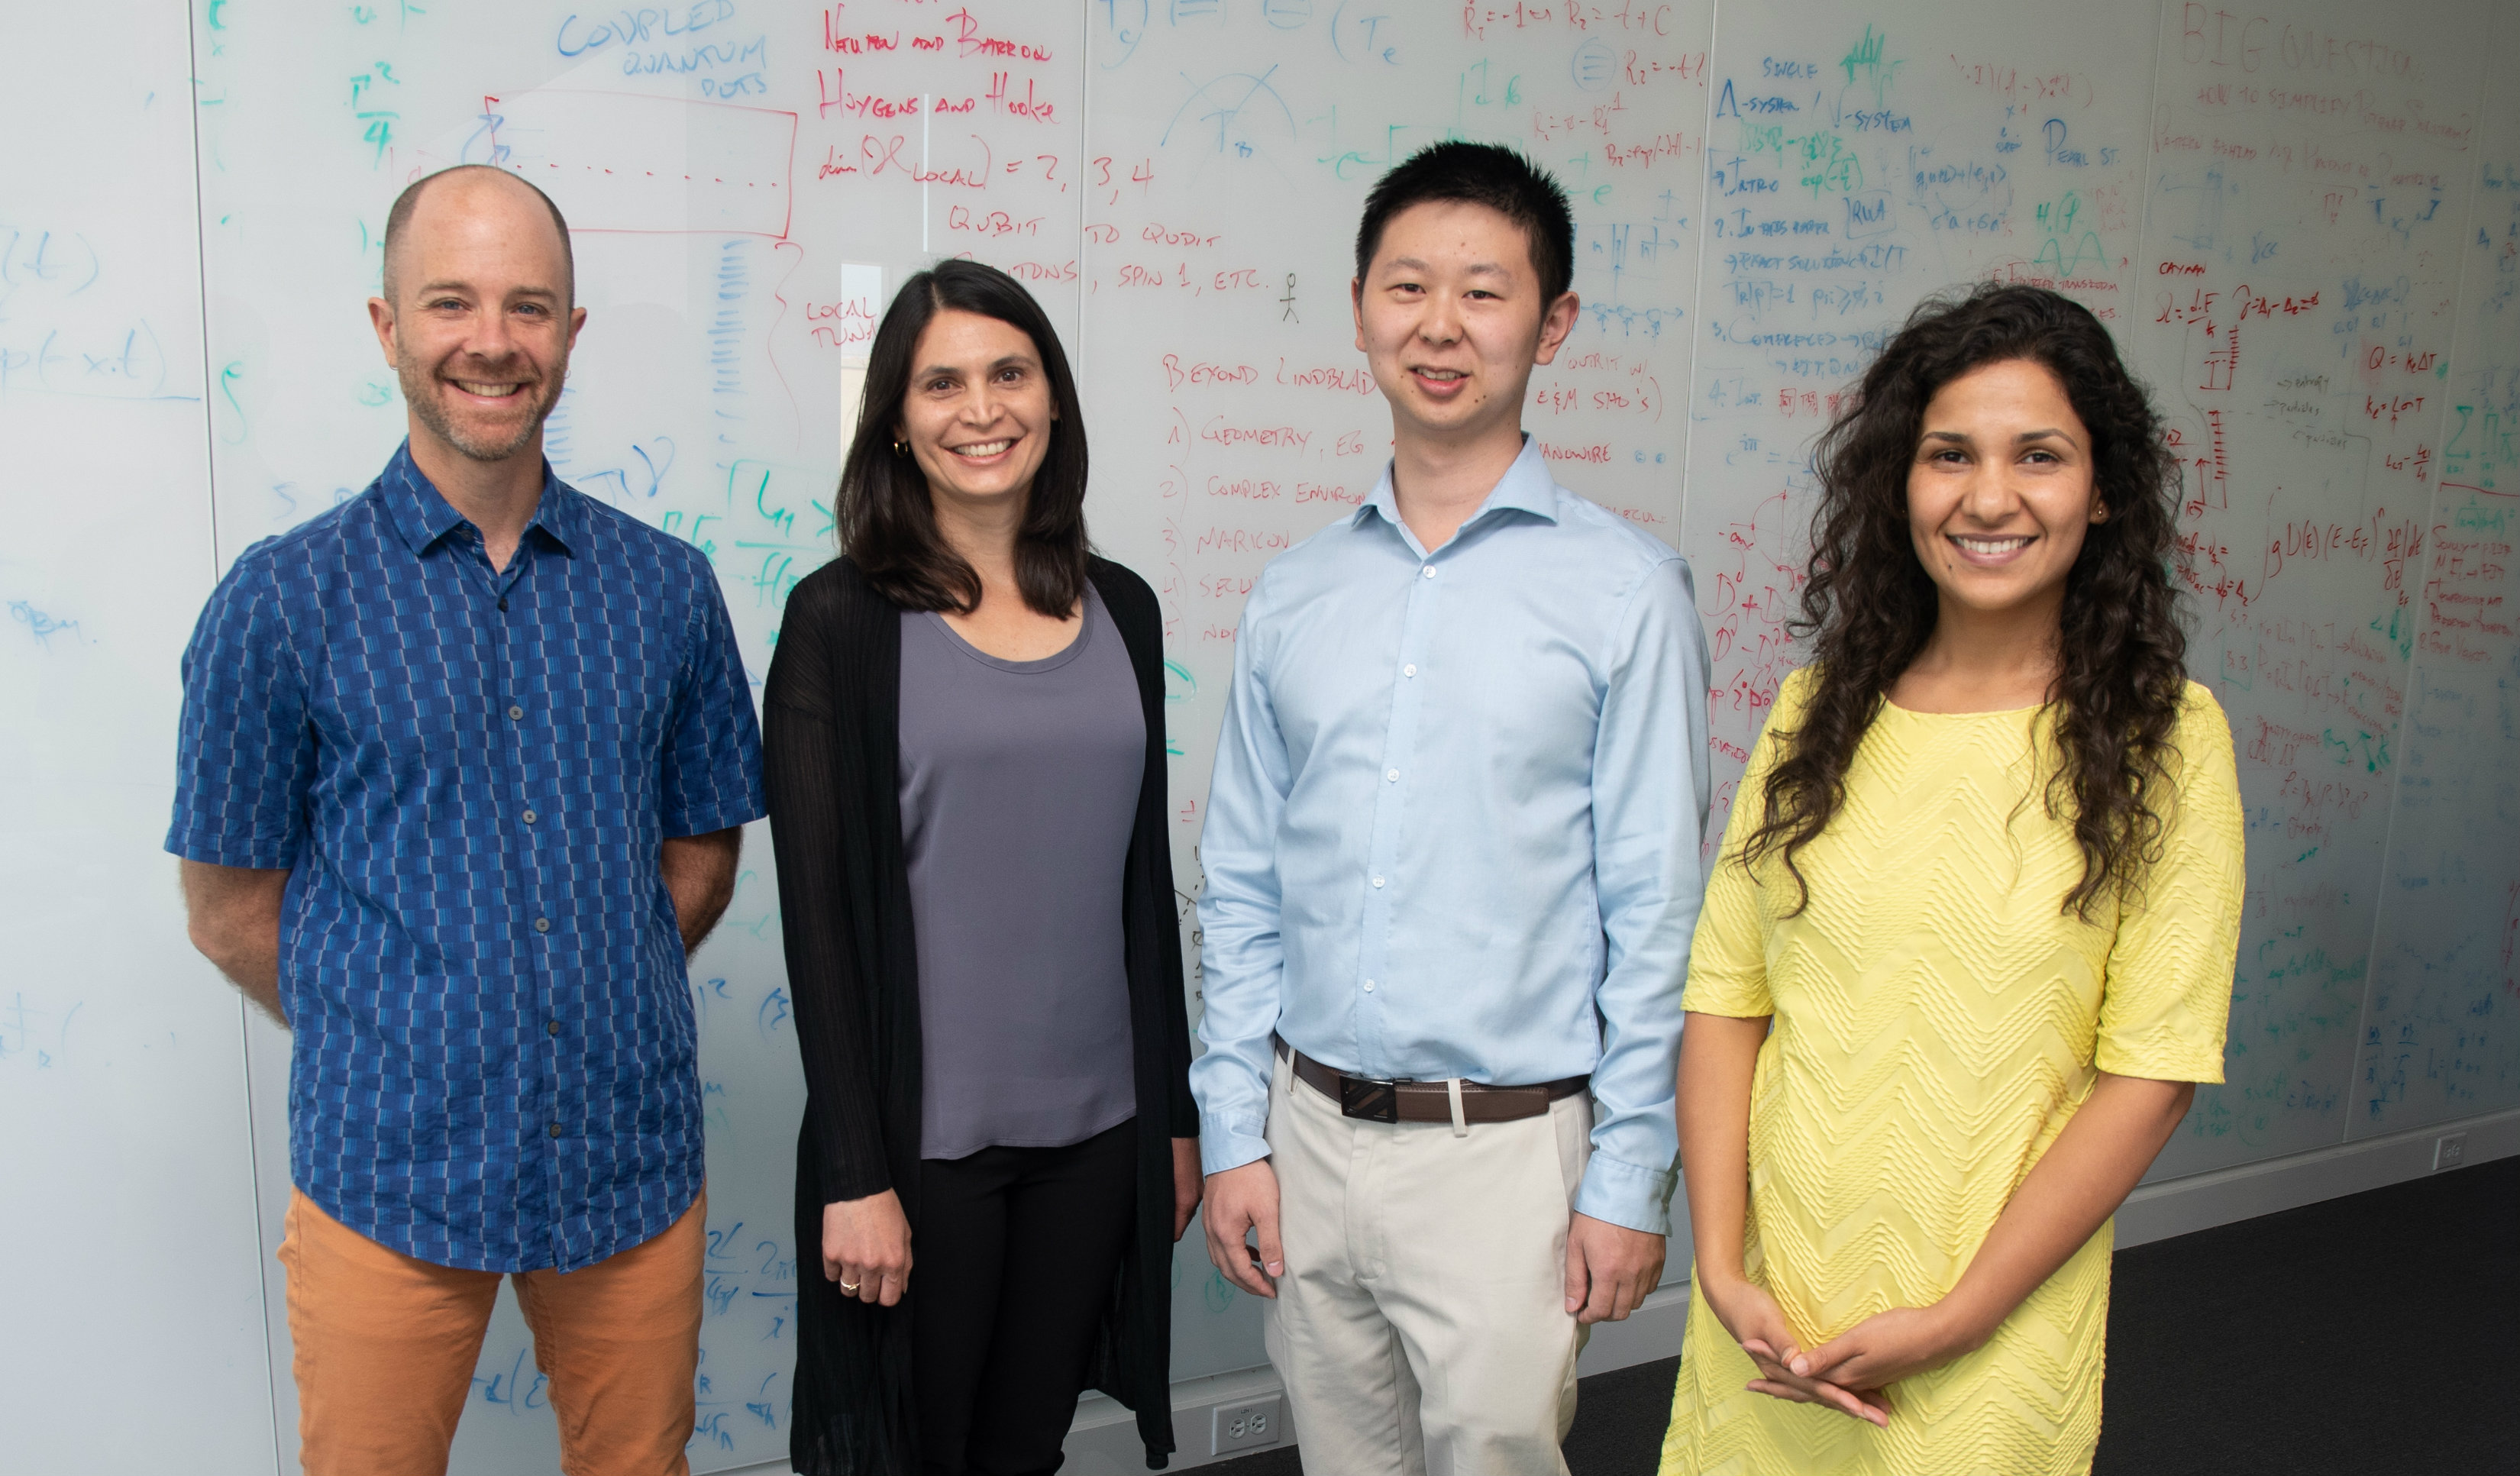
x=385, y=1346
x=1421, y=1325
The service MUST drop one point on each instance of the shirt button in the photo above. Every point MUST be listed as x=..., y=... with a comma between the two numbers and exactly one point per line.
x=1392, y=775
x=1378, y=881
x=1428, y=571
x=553, y=1028
x=555, y=1130
x=1408, y=670
x=543, y=925
x=531, y=817
x=1368, y=986
x=515, y=713
x=502, y=602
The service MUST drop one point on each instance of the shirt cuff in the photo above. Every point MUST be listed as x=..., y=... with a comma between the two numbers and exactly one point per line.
x=1228, y=1142
x=1626, y=1195
x=710, y=819
x=2168, y=1058
x=211, y=848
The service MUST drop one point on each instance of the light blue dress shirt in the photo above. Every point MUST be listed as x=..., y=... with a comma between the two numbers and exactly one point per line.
x=1453, y=827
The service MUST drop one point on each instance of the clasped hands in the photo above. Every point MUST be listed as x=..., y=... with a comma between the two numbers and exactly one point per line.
x=1850, y=1373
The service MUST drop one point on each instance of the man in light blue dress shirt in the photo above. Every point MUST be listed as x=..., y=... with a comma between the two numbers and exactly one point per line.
x=1451, y=869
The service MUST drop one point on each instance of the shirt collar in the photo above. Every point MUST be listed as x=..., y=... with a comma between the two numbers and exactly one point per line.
x=423, y=515
x=1525, y=487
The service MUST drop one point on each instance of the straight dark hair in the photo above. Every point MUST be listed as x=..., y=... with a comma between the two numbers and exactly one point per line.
x=1479, y=174
x=887, y=522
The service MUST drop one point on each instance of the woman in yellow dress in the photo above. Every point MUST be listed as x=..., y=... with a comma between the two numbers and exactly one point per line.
x=1970, y=945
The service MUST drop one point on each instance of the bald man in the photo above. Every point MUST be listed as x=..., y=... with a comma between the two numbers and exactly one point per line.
x=461, y=773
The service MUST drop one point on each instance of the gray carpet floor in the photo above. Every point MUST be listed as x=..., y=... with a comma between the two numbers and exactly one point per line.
x=2367, y=1334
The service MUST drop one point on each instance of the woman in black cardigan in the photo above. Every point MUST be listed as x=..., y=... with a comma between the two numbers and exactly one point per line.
x=977, y=893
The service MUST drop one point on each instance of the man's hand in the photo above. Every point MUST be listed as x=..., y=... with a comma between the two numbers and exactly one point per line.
x=866, y=1247
x=1239, y=1200
x=1609, y=1269
x=1186, y=1182
x=234, y=916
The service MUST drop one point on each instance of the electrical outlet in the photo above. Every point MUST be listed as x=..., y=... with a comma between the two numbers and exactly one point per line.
x=1248, y=1425
x=2447, y=1151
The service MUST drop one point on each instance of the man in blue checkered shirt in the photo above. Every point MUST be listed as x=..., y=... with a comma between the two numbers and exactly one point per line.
x=461, y=773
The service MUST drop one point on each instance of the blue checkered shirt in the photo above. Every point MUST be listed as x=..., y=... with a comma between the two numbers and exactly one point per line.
x=467, y=774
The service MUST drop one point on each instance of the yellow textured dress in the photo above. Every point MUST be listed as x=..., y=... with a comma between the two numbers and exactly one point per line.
x=1937, y=1022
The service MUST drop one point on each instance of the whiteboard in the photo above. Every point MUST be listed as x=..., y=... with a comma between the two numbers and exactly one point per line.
x=2313, y=176
x=130, y=1219
x=2305, y=229
x=2434, y=1037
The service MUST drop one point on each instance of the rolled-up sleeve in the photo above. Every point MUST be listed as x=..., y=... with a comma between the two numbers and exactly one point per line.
x=2166, y=1005
x=245, y=750
x=1650, y=797
x=1242, y=959
x=712, y=760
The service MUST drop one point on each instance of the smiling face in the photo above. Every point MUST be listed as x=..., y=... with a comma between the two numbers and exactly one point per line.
x=2001, y=491
x=978, y=413
x=479, y=325
x=1452, y=320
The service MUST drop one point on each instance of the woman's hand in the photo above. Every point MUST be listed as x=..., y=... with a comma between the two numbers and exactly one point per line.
x=2073, y=1189
x=866, y=1247
x=1718, y=1056
x=1758, y=1324
x=1187, y=1183
x=1884, y=1349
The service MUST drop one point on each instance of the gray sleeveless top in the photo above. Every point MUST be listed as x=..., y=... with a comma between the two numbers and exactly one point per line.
x=1018, y=790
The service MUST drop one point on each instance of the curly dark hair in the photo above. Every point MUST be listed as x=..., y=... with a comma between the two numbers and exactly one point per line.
x=1870, y=607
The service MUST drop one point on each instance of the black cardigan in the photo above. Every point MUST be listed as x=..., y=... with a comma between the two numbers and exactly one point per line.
x=831, y=749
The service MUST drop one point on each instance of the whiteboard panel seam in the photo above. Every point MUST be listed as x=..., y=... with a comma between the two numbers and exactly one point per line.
x=2364, y=1047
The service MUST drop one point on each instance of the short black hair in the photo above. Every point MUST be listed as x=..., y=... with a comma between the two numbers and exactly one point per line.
x=398, y=220
x=886, y=521
x=1493, y=175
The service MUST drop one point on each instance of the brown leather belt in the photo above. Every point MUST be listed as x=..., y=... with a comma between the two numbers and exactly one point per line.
x=1373, y=1100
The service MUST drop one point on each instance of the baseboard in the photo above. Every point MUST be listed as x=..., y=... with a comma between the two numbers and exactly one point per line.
x=2222, y=1197
x=1651, y=1331
x=1103, y=1441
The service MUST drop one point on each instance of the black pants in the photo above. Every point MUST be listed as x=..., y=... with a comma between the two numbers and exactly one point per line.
x=1013, y=1263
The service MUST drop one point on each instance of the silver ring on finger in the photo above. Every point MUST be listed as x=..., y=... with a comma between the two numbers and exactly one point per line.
x=850, y=1287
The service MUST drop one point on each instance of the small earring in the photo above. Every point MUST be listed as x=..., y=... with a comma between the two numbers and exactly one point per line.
x=898, y=449
x=2099, y=514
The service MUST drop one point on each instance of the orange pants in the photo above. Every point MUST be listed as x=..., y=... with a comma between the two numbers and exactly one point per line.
x=385, y=1347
